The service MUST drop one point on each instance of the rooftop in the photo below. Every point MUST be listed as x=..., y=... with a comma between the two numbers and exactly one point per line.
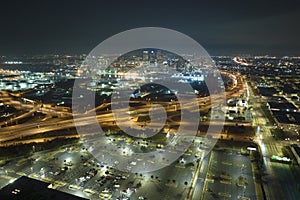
x=27, y=188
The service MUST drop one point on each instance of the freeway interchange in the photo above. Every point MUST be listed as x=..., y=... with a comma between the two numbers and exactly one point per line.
x=219, y=174
x=13, y=131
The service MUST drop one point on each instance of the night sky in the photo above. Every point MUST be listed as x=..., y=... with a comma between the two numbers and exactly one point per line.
x=223, y=27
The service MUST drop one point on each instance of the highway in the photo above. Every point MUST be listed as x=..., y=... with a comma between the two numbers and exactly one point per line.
x=105, y=119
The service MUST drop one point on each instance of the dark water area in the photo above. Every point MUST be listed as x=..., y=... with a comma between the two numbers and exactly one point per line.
x=31, y=67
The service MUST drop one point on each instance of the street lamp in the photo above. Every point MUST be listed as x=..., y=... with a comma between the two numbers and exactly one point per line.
x=243, y=166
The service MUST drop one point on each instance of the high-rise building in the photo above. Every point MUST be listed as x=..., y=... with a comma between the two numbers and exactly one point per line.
x=145, y=56
x=152, y=56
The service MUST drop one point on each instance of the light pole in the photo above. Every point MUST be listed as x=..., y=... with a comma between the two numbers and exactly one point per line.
x=243, y=166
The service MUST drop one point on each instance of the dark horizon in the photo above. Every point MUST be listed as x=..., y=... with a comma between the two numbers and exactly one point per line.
x=222, y=28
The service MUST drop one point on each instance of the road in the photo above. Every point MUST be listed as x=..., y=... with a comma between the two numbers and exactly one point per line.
x=280, y=180
x=27, y=129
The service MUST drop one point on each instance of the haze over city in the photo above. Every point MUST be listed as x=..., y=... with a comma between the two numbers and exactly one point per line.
x=222, y=27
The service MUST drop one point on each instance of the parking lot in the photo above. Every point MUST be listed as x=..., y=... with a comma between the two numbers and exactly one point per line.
x=74, y=170
x=224, y=173
x=229, y=176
